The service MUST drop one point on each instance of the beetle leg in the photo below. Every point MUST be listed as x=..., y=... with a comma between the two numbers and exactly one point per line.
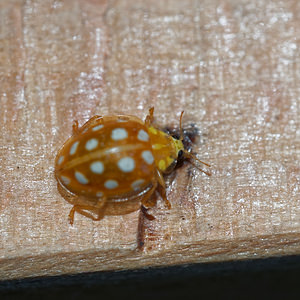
x=150, y=117
x=148, y=201
x=75, y=127
x=146, y=214
x=89, y=123
x=92, y=121
x=162, y=184
x=83, y=210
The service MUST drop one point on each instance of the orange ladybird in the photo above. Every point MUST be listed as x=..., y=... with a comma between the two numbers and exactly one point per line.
x=112, y=165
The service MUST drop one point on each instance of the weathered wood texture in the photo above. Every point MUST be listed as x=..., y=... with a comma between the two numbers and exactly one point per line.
x=233, y=66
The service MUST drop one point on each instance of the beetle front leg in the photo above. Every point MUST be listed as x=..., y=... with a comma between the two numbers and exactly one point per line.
x=162, y=184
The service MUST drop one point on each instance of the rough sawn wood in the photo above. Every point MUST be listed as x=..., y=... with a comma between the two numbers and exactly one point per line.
x=233, y=66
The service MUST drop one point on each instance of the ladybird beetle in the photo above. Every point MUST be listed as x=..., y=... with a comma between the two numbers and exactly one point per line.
x=114, y=164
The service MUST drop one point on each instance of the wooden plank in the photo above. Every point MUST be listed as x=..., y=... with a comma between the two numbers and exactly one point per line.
x=234, y=69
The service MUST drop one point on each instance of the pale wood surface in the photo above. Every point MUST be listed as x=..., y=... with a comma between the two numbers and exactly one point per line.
x=233, y=66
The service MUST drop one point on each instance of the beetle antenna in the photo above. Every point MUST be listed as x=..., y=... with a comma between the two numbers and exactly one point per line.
x=180, y=126
x=190, y=155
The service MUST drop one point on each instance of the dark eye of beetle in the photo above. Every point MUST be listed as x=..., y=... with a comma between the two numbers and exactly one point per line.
x=180, y=153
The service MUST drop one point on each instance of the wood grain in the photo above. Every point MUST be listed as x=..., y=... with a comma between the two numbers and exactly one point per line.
x=233, y=66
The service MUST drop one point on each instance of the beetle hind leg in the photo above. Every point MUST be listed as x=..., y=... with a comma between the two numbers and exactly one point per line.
x=88, y=211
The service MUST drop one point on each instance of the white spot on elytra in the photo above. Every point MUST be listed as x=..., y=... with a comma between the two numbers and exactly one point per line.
x=98, y=127
x=97, y=167
x=119, y=134
x=74, y=148
x=126, y=164
x=91, y=144
x=137, y=184
x=65, y=180
x=81, y=178
x=60, y=160
x=99, y=194
x=111, y=184
x=148, y=157
x=143, y=136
